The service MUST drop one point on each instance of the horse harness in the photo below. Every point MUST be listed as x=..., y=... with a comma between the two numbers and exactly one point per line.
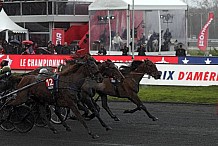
x=51, y=82
x=115, y=82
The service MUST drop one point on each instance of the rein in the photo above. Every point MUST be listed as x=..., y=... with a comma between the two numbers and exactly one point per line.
x=137, y=73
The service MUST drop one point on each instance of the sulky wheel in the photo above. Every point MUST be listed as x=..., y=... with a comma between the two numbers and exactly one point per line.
x=39, y=121
x=7, y=125
x=64, y=113
x=22, y=118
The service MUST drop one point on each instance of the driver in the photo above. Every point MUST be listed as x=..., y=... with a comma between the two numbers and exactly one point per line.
x=5, y=70
x=43, y=71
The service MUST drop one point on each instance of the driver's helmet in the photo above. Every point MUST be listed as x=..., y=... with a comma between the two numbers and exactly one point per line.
x=43, y=71
x=6, y=69
x=4, y=63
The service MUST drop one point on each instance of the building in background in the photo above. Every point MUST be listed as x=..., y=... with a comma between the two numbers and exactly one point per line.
x=40, y=17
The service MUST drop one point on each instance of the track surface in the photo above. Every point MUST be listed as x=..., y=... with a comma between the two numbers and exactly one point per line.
x=178, y=124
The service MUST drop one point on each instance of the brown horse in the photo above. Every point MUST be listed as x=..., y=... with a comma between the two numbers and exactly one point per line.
x=129, y=87
x=109, y=70
x=65, y=94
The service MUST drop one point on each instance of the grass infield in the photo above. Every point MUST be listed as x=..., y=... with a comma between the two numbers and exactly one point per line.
x=177, y=94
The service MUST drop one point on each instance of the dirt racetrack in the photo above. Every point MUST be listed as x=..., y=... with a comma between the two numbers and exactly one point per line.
x=178, y=124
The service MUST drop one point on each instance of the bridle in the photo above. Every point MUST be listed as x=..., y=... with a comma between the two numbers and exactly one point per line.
x=94, y=75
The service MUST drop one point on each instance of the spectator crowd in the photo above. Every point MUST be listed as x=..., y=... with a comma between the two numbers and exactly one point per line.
x=29, y=47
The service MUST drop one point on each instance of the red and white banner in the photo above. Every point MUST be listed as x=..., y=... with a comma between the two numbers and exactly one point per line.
x=58, y=35
x=203, y=35
x=30, y=62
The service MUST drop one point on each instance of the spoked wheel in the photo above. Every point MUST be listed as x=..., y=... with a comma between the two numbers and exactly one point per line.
x=64, y=114
x=39, y=121
x=7, y=125
x=22, y=118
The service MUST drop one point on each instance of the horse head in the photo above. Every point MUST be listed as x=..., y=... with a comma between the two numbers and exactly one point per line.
x=92, y=70
x=109, y=69
x=151, y=69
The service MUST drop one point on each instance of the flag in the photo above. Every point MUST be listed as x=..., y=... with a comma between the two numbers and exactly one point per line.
x=57, y=35
x=203, y=35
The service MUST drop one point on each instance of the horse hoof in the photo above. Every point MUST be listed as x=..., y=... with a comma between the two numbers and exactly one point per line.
x=154, y=118
x=95, y=136
x=89, y=118
x=116, y=119
x=108, y=128
x=68, y=129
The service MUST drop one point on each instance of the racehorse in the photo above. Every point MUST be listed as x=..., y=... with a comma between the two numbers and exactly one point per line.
x=65, y=95
x=109, y=70
x=129, y=87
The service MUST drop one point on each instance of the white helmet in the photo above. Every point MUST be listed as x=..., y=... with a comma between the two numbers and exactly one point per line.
x=43, y=71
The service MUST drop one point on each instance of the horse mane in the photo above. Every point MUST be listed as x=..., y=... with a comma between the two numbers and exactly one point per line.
x=83, y=58
x=127, y=69
x=15, y=78
x=70, y=69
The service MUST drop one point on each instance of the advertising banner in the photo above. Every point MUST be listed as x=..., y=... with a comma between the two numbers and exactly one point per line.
x=30, y=62
x=204, y=74
x=58, y=35
x=184, y=75
x=203, y=35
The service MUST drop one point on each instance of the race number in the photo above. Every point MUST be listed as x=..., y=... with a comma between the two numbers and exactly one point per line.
x=49, y=83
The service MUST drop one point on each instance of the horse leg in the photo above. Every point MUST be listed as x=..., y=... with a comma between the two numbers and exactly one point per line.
x=91, y=106
x=58, y=113
x=90, y=117
x=42, y=109
x=135, y=99
x=80, y=118
x=106, y=107
x=83, y=108
x=132, y=111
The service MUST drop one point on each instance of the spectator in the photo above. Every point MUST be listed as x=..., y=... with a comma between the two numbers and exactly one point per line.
x=65, y=49
x=5, y=46
x=125, y=51
x=76, y=48
x=35, y=47
x=29, y=49
x=141, y=50
x=51, y=48
x=1, y=50
x=102, y=50
x=180, y=51
x=117, y=42
x=167, y=39
x=176, y=45
x=142, y=39
x=167, y=35
x=5, y=70
x=58, y=47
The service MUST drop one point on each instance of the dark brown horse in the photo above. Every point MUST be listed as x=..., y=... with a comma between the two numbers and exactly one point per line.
x=109, y=70
x=129, y=87
x=66, y=96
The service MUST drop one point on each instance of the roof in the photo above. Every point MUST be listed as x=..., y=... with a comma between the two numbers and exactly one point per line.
x=7, y=24
x=138, y=5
